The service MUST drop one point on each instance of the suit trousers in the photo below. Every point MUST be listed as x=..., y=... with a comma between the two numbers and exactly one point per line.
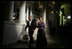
x=31, y=37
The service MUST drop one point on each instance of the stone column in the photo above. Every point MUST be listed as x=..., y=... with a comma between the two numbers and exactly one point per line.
x=44, y=17
x=27, y=12
x=11, y=10
x=22, y=13
x=31, y=11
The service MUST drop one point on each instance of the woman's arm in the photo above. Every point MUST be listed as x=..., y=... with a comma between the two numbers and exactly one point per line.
x=43, y=26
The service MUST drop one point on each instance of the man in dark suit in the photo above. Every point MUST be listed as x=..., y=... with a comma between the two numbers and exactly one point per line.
x=31, y=27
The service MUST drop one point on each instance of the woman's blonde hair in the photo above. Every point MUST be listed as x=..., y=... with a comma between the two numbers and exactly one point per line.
x=41, y=18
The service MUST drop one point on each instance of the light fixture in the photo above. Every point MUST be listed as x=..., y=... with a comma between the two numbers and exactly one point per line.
x=69, y=17
x=40, y=4
x=53, y=2
x=56, y=12
x=52, y=11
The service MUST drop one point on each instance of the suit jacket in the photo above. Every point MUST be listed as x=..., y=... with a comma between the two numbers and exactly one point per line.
x=32, y=26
